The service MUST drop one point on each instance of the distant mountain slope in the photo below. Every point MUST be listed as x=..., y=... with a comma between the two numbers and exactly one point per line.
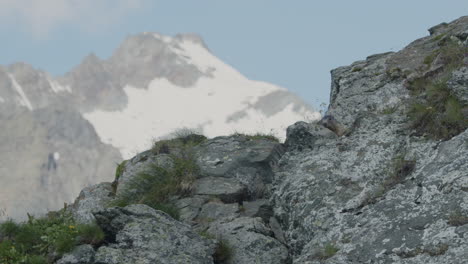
x=184, y=85
x=151, y=86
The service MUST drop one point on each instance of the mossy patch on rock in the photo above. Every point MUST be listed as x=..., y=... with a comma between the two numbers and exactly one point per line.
x=434, y=111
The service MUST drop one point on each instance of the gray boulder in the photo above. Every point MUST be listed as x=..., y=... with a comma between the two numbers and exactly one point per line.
x=250, y=240
x=212, y=211
x=458, y=84
x=249, y=161
x=190, y=207
x=91, y=199
x=257, y=208
x=227, y=189
x=141, y=162
x=307, y=135
x=140, y=234
x=83, y=254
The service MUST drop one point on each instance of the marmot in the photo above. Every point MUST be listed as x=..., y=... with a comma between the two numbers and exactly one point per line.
x=330, y=122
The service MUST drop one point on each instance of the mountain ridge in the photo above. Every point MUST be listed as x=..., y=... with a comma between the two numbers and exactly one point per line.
x=150, y=86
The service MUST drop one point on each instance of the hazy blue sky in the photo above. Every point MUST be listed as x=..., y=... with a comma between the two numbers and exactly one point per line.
x=290, y=43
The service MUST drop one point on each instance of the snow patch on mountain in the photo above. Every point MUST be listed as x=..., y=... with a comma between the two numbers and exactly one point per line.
x=23, y=99
x=57, y=88
x=163, y=107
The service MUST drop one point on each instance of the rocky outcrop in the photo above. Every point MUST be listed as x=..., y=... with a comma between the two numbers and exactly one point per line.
x=91, y=199
x=244, y=160
x=140, y=233
x=380, y=194
x=45, y=117
x=239, y=222
x=384, y=191
x=251, y=240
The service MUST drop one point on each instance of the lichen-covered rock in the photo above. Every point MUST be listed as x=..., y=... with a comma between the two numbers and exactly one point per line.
x=91, y=199
x=140, y=234
x=229, y=190
x=458, y=84
x=247, y=160
x=190, y=207
x=306, y=135
x=258, y=208
x=360, y=186
x=139, y=163
x=251, y=241
x=216, y=210
x=380, y=194
x=83, y=254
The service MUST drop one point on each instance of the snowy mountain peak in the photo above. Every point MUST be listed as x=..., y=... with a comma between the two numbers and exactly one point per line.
x=175, y=82
x=106, y=109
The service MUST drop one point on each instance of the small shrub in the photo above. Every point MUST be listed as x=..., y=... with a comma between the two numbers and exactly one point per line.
x=64, y=241
x=155, y=185
x=356, y=69
x=439, y=115
x=118, y=173
x=439, y=37
x=434, y=112
x=183, y=140
x=437, y=251
x=90, y=234
x=120, y=170
x=31, y=242
x=399, y=169
x=430, y=58
x=328, y=251
x=395, y=73
x=9, y=253
x=9, y=229
x=389, y=110
x=29, y=235
x=168, y=208
x=35, y=259
x=206, y=235
x=223, y=252
x=457, y=219
x=259, y=136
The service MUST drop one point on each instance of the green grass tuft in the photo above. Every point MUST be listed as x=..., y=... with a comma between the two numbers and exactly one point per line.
x=120, y=170
x=458, y=219
x=181, y=139
x=38, y=238
x=155, y=185
x=328, y=251
x=223, y=252
x=434, y=112
x=258, y=136
x=90, y=234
